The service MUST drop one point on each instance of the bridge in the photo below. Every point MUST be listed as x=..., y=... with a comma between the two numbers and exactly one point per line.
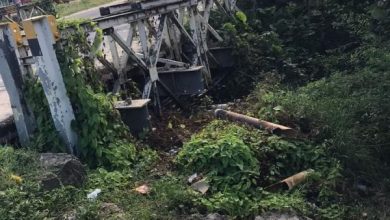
x=164, y=41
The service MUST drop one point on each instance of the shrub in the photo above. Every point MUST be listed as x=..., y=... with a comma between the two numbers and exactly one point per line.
x=223, y=149
x=227, y=161
x=350, y=113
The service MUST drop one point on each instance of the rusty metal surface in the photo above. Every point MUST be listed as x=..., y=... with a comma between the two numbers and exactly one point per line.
x=257, y=123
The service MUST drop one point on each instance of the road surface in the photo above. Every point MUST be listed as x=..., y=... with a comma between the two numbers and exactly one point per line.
x=92, y=12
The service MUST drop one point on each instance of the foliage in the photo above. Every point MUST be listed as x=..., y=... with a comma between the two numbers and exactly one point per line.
x=300, y=42
x=27, y=200
x=47, y=6
x=234, y=204
x=109, y=180
x=222, y=149
x=227, y=161
x=348, y=112
x=102, y=137
x=46, y=137
x=16, y=163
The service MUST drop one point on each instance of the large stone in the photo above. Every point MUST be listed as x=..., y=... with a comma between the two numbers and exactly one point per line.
x=61, y=170
x=215, y=216
x=279, y=216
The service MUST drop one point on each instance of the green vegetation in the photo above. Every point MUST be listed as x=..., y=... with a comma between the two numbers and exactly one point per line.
x=78, y=5
x=103, y=138
x=321, y=68
x=236, y=162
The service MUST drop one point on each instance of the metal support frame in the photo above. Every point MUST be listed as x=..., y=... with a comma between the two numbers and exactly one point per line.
x=11, y=73
x=149, y=58
x=114, y=52
x=131, y=54
x=196, y=27
x=41, y=41
x=152, y=34
x=23, y=12
x=142, y=16
x=155, y=8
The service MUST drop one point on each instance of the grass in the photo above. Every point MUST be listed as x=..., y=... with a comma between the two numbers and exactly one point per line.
x=78, y=5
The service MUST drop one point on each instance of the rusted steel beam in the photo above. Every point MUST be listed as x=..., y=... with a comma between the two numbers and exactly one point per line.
x=257, y=123
x=144, y=11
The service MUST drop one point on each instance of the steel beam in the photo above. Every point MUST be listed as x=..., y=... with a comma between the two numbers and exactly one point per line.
x=128, y=50
x=114, y=52
x=154, y=8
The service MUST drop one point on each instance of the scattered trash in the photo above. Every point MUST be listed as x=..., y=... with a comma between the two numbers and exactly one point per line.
x=292, y=181
x=144, y=189
x=192, y=178
x=201, y=186
x=297, y=179
x=16, y=179
x=93, y=195
x=220, y=106
x=173, y=152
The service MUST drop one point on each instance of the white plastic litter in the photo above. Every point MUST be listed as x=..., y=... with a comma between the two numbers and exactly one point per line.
x=93, y=195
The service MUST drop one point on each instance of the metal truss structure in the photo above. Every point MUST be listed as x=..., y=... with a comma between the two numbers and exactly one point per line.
x=169, y=22
x=173, y=54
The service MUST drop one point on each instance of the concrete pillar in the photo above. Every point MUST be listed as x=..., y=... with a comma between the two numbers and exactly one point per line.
x=12, y=76
x=41, y=32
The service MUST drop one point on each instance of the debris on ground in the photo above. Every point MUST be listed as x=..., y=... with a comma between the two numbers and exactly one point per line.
x=94, y=194
x=144, y=189
x=297, y=179
x=201, y=186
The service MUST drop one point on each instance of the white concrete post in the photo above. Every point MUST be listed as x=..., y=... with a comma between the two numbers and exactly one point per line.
x=12, y=76
x=41, y=41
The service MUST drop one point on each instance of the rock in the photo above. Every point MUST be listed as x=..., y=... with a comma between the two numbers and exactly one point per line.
x=277, y=216
x=111, y=211
x=61, y=170
x=212, y=216
x=215, y=216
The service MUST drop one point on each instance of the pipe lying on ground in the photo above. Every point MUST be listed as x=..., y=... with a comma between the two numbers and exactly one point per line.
x=257, y=123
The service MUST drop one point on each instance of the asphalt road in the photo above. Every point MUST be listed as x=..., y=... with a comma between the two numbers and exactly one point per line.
x=92, y=12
